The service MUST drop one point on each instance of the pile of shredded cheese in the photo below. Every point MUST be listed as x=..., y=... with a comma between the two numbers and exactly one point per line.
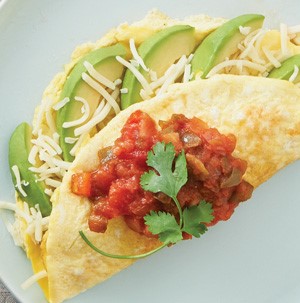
x=261, y=51
x=36, y=225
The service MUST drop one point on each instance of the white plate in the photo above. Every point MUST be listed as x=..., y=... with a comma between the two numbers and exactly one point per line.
x=254, y=257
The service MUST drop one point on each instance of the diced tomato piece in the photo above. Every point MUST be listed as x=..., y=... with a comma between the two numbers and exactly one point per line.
x=81, y=184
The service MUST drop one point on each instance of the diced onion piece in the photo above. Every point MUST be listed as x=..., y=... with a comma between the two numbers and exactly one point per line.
x=81, y=119
x=137, y=74
x=96, y=86
x=33, y=279
x=16, y=172
x=136, y=56
x=294, y=74
x=96, y=75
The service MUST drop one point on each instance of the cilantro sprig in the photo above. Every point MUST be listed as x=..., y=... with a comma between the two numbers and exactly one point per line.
x=167, y=181
x=168, y=176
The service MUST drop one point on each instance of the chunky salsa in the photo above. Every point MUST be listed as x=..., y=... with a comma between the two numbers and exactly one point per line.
x=114, y=189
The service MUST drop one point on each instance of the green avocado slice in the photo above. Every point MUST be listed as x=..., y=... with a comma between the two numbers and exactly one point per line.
x=286, y=69
x=158, y=52
x=19, y=149
x=222, y=43
x=104, y=61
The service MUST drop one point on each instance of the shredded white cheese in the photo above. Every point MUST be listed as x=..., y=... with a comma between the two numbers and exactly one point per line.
x=83, y=118
x=52, y=182
x=48, y=192
x=284, y=39
x=153, y=75
x=246, y=63
x=245, y=30
x=178, y=70
x=100, y=114
x=75, y=148
x=16, y=172
x=49, y=115
x=137, y=74
x=294, y=74
x=117, y=82
x=61, y=104
x=36, y=224
x=52, y=142
x=97, y=76
x=71, y=140
x=33, y=279
x=136, y=56
x=144, y=95
x=271, y=57
x=33, y=154
x=124, y=90
x=41, y=112
x=249, y=45
x=187, y=74
x=96, y=86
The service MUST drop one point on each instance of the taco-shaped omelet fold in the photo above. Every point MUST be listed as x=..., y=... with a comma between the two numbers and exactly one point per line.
x=263, y=114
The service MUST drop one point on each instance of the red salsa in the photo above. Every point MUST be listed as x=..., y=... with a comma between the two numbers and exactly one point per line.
x=114, y=189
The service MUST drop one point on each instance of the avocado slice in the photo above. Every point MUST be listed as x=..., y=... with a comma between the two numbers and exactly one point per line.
x=286, y=69
x=19, y=149
x=104, y=61
x=222, y=43
x=158, y=52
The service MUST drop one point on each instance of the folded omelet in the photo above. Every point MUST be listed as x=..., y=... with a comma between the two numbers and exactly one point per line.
x=263, y=114
x=154, y=22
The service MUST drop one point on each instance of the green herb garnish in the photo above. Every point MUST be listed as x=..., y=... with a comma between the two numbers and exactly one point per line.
x=168, y=177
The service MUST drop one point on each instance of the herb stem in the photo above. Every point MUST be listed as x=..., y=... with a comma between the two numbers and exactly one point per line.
x=179, y=210
x=89, y=243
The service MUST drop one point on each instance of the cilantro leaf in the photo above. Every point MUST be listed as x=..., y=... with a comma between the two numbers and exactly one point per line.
x=167, y=180
x=164, y=225
x=195, y=216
